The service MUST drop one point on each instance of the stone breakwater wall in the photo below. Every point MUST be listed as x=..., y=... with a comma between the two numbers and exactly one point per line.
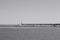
x=32, y=25
x=40, y=25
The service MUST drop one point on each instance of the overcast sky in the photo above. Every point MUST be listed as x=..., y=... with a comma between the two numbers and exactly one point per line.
x=29, y=11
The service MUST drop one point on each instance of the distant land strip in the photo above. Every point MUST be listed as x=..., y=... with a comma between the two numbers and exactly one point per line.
x=30, y=25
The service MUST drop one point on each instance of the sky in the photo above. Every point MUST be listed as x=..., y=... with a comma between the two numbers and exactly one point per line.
x=29, y=11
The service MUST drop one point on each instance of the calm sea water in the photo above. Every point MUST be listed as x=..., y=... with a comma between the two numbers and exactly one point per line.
x=29, y=33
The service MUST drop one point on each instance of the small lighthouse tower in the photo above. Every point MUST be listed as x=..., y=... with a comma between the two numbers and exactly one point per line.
x=21, y=22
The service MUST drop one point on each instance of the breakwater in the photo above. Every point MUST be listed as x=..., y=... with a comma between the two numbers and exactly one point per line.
x=30, y=25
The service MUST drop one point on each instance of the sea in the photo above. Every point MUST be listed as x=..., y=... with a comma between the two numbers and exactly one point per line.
x=29, y=33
